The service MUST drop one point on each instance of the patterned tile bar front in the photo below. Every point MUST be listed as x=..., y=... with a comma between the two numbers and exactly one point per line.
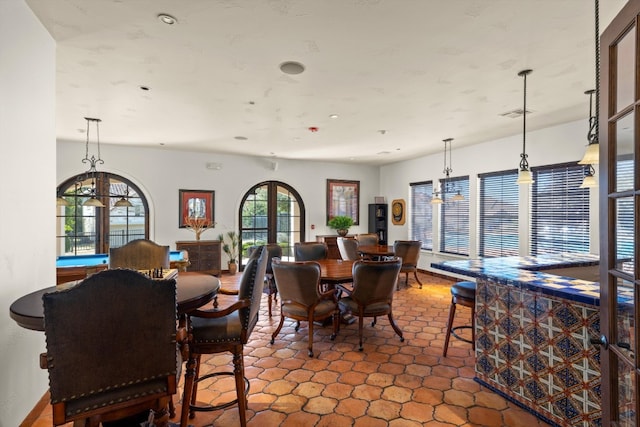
x=533, y=333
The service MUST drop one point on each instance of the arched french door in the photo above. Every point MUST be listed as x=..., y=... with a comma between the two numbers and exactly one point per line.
x=271, y=212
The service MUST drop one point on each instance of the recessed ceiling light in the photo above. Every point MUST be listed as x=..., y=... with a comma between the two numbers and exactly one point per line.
x=240, y=138
x=144, y=88
x=333, y=116
x=291, y=67
x=167, y=19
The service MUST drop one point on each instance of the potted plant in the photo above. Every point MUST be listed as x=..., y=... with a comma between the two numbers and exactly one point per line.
x=341, y=224
x=231, y=249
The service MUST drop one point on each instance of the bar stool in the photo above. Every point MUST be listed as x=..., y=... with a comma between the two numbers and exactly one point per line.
x=463, y=293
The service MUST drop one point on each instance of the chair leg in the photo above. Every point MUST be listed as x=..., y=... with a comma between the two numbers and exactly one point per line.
x=194, y=395
x=336, y=324
x=238, y=371
x=395, y=327
x=189, y=382
x=360, y=326
x=277, y=331
x=452, y=312
x=415, y=273
x=270, y=299
x=473, y=327
x=310, y=321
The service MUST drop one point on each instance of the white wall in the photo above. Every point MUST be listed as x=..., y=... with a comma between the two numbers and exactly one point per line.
x=161, y=173
x=27, y=191
x=553, y=145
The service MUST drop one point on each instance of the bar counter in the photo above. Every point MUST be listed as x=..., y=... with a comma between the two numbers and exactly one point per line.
x=533, y=332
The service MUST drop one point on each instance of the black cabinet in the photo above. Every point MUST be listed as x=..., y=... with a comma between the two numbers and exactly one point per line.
x=378, y=221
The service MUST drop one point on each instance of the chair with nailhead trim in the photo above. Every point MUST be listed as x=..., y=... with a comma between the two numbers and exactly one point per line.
x=111, y=348
x=220, y=330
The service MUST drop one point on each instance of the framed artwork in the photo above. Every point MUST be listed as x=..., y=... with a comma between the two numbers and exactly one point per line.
x=343, y=199
x=195, y=204
x=398, y=211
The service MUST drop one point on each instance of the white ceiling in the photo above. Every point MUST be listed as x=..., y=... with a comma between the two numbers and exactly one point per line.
x=401, y=74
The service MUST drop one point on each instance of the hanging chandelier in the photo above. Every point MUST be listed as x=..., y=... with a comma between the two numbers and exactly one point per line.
x=446, y=185
x=592, y=154
x=524, y=176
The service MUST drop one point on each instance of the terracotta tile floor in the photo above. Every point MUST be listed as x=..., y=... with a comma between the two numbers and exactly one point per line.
x=390, y=383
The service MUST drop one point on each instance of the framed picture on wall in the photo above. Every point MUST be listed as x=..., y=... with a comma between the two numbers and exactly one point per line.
x=195, y=204
x=398, y=211
x=343, y=199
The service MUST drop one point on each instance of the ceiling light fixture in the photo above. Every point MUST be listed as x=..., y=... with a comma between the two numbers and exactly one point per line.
x=592, y=154
x=524, y=176
x=93, y=161
x=291, y=67
x=167, y=19
x=446, y=187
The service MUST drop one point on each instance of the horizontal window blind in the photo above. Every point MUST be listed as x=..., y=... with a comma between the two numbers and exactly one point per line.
x=560, y=210
x=499, y=214
x=454, y=215
x=422, y=213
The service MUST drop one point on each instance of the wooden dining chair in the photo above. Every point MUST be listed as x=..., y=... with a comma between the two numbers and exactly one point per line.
x=310, y=251
x=111, y=349
x=409, y=251
x=348, y=248
x=374, y=283
x=301, y=297
x=140, y=254
x=274, y=250
x=367, y=239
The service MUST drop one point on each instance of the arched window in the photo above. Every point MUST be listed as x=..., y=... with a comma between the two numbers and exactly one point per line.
x=271, y=212
x=83, y=229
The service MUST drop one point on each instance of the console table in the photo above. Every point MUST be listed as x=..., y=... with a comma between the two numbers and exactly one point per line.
x=204, y=255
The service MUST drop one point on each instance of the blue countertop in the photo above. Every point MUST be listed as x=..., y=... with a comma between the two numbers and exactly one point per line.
x=528, y=273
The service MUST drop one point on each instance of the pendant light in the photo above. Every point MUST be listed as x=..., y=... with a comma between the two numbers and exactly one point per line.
x=446, y=188
x=592, y=154
x=524, y=176
x=92, y=200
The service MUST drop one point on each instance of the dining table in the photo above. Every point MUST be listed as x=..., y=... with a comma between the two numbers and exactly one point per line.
x=376, y=251
x=335, y=271
x=193, y=290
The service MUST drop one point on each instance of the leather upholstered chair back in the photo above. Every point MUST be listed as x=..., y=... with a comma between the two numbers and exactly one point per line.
x=301, y=298
x=372, y=294
x=374, y=281
x=367, y=239
x=111, y=344
x=348, y=248
x=251, y=287
x=409, y=251
x=139, y=254
x=310, y=251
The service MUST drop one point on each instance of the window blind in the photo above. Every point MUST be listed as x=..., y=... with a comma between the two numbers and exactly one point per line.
x=499, y=198
x=560, y=210
x=454, y=216
x=422, y=213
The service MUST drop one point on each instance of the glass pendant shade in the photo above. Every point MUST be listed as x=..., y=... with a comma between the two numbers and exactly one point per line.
x=92, y=201
x=458, y=197
x=525, y=177
x=436, y=200
x=592, y=155
x=61, y=201
x=123, y=203
x=589, y=182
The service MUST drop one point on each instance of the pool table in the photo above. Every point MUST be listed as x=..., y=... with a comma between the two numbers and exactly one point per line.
x=76, y=267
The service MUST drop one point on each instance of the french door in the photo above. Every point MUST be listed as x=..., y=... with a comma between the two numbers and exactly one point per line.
x=271, y=212
x=619, y=214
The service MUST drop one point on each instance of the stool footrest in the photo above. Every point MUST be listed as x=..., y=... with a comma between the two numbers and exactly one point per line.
x=211, y=408
x=454, y=333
